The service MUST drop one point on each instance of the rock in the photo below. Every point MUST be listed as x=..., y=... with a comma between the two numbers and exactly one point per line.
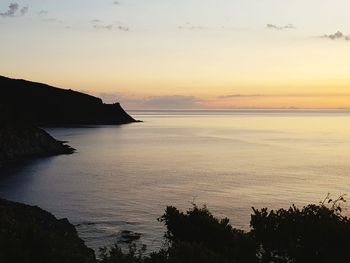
x=20, y=141
x=127, y=236
x=30, y=234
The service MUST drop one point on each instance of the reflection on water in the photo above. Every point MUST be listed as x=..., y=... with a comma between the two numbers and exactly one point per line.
x=122, y=177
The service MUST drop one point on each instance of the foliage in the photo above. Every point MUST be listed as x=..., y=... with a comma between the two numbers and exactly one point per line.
x=198, y=226
x=314, y=233
x=115, y=254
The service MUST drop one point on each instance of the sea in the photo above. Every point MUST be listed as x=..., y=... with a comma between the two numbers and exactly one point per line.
x=122, y=178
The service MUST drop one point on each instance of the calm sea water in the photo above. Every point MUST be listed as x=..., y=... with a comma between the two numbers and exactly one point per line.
x=122, y=177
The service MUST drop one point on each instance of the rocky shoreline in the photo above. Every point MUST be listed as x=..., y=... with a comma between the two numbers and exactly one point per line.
x=19, y=142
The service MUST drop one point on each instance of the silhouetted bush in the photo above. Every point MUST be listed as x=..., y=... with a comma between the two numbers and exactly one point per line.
x=315, y=233
x=199, y=227
x=115, y=254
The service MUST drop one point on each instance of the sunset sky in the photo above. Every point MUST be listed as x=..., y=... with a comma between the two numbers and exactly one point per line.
x=184, y=54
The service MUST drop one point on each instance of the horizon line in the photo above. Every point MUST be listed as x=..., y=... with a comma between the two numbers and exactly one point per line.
x=231, y=109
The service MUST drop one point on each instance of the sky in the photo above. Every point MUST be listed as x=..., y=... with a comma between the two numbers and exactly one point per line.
x=184, y=54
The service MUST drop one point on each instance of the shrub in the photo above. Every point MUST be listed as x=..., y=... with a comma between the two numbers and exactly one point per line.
x=198, y=226
x=314, y=233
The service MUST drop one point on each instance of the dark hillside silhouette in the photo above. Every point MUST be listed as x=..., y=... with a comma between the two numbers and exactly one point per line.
x=18, y=142
x=41, y=104
x=30, y=234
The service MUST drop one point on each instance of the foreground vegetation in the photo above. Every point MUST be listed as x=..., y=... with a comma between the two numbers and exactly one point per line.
x=314, y=233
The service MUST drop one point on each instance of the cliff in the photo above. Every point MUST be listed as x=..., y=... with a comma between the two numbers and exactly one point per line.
x=44, y=105
x=30, y=234
x=21, y=141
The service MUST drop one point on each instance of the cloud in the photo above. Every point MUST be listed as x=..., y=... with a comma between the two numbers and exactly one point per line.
x=123, y=28
x=45, y=18
x=151, y=102
x=98, y=25
x=276, y=27
x=116, y=3
x=288, y=95
x=13, y=9
x=95, y=21
x=337, y=35
x=43, y=13
x=112, y=27
x=182, y=102
x=52, y=19
x=189, y=26
x=233, y=96
x=24, y=10
x=170, y=102
x=192, y=27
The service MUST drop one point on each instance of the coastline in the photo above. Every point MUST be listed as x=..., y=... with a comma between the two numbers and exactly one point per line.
x=21, y=142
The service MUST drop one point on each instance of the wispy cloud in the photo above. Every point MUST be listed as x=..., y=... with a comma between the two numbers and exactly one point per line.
x=98, y=25
x=171, y=102
x=51, y=19
x=290, y=95
x=43, y=13
x=276, y=27
x=189, y=26
x=95, y=21
x=112, y=27
x=14, y=10
x=151, y=102
x=234, y=96
x=337, y=35
x=24, y=10
x=116, y=3
x=177, y=102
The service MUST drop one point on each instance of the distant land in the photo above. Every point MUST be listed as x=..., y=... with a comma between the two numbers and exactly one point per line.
x=44, y=105
x=25, y=106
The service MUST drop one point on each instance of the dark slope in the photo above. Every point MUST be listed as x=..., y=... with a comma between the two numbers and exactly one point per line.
x=41, y=104
x=22, y=141
x=30, y=234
